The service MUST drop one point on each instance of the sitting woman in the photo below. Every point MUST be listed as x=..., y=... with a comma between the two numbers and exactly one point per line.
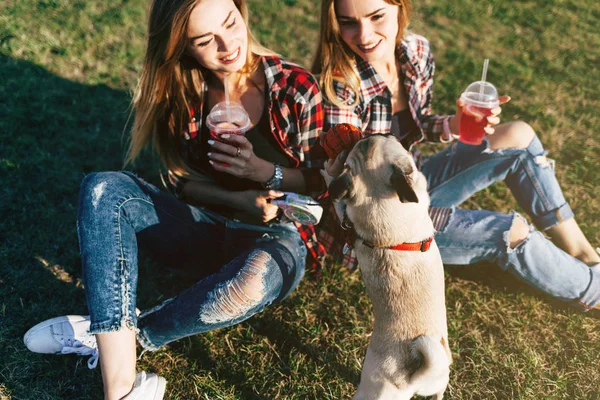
x=221, y=221
x=378, y=77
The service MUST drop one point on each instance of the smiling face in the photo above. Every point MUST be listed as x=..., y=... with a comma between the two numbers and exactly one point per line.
x=217, y=36
x=368, y=27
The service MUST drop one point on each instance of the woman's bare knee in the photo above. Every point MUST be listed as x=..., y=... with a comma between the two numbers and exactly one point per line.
x=512, y=135
x=518, y=232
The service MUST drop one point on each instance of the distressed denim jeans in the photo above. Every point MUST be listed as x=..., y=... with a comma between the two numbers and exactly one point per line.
x=245, y=267
x=469, y=236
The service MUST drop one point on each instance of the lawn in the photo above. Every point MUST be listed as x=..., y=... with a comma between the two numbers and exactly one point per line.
x=67, y=70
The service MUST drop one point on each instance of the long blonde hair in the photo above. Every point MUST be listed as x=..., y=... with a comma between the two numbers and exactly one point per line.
x=171, y=83
x=334, y=60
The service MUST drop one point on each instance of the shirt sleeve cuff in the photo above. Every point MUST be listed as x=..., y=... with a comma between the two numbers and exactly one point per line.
x=447, y=136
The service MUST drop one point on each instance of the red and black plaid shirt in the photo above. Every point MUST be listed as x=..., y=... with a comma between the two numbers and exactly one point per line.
x=373, y=114
x=296, y=119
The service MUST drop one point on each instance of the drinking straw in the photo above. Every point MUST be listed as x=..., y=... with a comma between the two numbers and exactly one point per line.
x=226, y=87
x=483, y=75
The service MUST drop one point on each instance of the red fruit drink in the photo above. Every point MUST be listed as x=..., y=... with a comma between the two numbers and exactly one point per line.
x=480, y=98
x=472, y=124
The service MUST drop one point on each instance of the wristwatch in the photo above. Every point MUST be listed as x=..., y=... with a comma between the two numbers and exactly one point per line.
x=276, y=180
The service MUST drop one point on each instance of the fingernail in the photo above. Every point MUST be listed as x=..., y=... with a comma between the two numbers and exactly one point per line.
x=209, y=154
x=225, y=136
x=211, y=142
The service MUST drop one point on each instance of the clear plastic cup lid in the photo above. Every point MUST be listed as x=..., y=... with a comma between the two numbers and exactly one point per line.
x=231, y=112
x=486, y=98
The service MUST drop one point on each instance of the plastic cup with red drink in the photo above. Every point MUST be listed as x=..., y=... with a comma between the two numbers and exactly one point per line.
x=478, y=105
x=479, y=99
x=227, y=117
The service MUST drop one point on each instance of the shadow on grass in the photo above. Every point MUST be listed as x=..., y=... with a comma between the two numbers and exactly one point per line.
x=53, y=131
x=502, y=281
x=285, y=340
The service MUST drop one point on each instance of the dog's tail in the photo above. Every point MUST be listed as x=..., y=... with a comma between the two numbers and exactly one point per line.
x=432, y=373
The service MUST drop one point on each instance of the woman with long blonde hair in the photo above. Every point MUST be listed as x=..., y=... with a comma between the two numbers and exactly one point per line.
x=219, y=225
x=377, y=76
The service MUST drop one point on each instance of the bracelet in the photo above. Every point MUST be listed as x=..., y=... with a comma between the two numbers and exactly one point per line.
x=274, y=182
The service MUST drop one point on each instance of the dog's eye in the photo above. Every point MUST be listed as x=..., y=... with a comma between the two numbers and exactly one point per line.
x=348, y=169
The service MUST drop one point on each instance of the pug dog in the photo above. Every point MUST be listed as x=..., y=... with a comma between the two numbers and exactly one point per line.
x=387, y=204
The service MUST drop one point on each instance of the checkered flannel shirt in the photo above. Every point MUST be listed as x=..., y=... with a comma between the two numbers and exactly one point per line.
x=373, y=114
x=296, y=111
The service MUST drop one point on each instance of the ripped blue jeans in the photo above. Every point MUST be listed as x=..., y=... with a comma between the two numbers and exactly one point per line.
x=468, y=236
x=244, y=267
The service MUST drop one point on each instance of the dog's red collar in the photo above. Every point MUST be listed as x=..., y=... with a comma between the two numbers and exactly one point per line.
x=421, y=246
x=351, y=236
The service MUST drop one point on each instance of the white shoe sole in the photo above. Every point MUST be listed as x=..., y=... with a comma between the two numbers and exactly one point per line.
x=52, y=321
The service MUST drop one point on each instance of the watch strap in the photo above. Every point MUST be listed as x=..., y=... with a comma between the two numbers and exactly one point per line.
x=275, y=181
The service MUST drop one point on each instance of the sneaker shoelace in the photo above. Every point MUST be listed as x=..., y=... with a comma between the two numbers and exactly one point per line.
x=74, y=346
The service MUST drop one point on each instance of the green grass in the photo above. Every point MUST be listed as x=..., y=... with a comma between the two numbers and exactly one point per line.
x=67, y=68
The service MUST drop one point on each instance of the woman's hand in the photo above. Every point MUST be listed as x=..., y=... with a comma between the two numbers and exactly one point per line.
x=235, y=156
x=492, y=119
x=258, y=203
x=335, y=167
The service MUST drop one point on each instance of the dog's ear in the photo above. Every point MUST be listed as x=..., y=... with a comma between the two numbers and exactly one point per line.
x=402, y=185
x=340, y=186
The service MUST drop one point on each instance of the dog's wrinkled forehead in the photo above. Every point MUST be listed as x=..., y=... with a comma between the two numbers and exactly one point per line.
x=377, y=150
x=378, y=165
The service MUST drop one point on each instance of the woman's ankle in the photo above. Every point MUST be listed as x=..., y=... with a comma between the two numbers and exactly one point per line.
x=569, y=237
x=591, y=258
x=118, y=390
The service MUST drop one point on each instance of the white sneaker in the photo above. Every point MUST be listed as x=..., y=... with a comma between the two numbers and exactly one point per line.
x=147, y=387
x=64, y=335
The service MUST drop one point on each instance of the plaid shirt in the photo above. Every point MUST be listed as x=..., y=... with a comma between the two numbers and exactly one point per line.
x=295, y=107
x=373, y=114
